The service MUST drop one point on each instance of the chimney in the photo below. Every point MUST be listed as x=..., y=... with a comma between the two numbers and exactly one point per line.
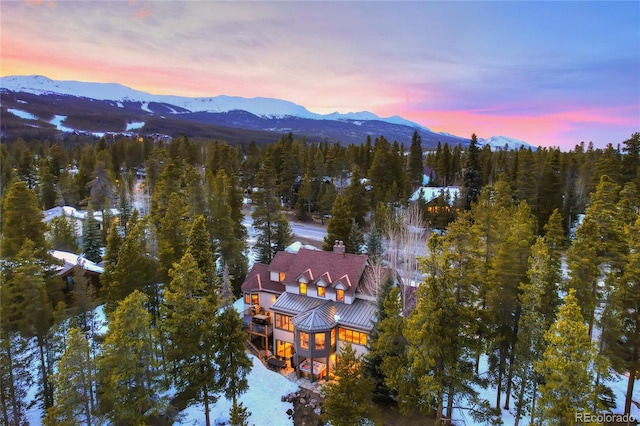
x=338, y=247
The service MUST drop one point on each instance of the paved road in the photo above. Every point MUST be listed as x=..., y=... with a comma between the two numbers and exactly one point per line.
x=310, y=231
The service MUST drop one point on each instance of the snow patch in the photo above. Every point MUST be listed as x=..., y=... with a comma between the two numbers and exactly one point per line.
x=135, y=125
x=22, y=114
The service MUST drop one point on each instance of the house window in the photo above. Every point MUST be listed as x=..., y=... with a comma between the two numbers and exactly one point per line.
x=283, y=322
x=352, y=336
x=319, y=340
x=304, y=340
x=303, y=288
x=340, y=295
x=281, y=276
x=333, y=336
x=320, y=291
x=251, y=299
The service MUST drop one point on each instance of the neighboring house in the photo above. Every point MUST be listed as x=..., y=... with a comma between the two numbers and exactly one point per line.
x=305, y=306
x=66, y=268
x=437, y=196
x=78, y=217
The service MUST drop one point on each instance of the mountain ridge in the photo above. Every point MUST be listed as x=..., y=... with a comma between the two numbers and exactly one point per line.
x=265, y=114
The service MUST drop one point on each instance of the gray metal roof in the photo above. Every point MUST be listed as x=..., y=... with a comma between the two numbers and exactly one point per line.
x=360, y=314
x=294, y=304
x=321, y=318
x=313, y=314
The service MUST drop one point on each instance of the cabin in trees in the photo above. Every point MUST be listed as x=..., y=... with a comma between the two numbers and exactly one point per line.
x=305, y=306
x=66, y=269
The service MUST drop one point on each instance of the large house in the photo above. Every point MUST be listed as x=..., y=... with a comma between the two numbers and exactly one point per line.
x=305, y=306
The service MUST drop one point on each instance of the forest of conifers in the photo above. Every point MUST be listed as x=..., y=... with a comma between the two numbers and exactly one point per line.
x=551, y=307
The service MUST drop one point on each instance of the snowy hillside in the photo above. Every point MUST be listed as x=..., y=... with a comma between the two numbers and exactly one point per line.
x=262, y=107
x=502, y=142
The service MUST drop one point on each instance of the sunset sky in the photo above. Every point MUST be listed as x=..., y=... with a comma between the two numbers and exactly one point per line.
x=549, y=73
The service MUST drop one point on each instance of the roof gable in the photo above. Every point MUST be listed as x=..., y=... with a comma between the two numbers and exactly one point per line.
x=326, y=264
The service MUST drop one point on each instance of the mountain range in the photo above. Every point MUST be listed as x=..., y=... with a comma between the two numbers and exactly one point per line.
x=37, y=103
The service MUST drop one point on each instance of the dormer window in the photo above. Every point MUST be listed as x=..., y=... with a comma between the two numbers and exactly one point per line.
x=321, y=292
x=340, y=295
x=303, y=287
x=281, y=276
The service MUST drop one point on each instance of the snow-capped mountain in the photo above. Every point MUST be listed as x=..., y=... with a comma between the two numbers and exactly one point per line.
x=117, y=106
x=505, y=142
x=261, y=107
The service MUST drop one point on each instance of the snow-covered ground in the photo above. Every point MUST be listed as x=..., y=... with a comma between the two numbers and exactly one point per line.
x=263, y=400
x=617, y=383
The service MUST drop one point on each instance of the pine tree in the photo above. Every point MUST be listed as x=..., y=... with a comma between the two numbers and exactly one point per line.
x=373, y=359
x=355, y=240
x=348, y=398
x=567, y=366
x=472, y=178
x=200, y=247
x=416, y=169
x=62, y=234
x=74, y=383
x=283, y=234
x=531, y=326
x=91, y=238
x=339, y=224
x=266, y=214
x=15, y=353
x=232, y=359
x=356, y=198
x=584, y=266
x=29, y=300
x=621, y=318
x=130, y=377
x=134, y=270
x=374, y=245
x=440, y=332
x=189, y=324
x=172, y=233
x=391, y=347
x=22, y=219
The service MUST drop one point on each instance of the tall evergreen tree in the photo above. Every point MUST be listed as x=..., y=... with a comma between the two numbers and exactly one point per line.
x=22, y=219
x=172, y=235
x=621, y=317
x=232, y=360
x=416, y=169
x=355, y=240
x=373, y=359
x=472, y=174
x=266, y=214
x=74, y=384
x=339, y=225
x=130, y=376
x=62, y=234
x=439, y=335
x=135, y=268
x=190, y=325
x=356, y=198
x=531, y=327
x=91, y=238
x=348, y=398
x=567, y=367
x=200, y=247
x=391, y=346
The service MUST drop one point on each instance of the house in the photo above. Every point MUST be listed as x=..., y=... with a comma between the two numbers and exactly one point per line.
x=66, y=269
x=304, y=306
x=77, y=217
